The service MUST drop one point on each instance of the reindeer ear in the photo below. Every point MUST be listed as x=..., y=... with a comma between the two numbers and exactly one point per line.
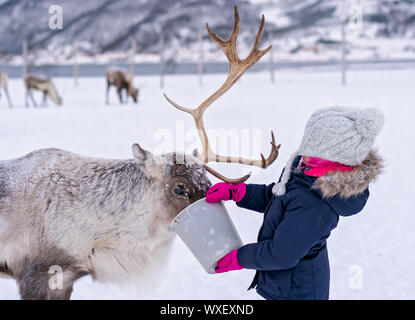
x=140, y=155
x=152, y=166
x=195, y=153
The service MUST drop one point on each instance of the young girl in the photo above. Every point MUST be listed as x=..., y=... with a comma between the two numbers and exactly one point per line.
x=326, y=178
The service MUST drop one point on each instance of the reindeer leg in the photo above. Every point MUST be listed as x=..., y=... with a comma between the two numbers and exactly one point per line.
x=8, y=97
x=44, y=102
x=107, y=97
x=32, y=98
x=48, y=278
x=36, y=286
x=119, y=91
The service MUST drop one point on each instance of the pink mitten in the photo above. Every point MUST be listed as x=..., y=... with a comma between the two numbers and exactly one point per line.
x=226, y=191
x=228, y=263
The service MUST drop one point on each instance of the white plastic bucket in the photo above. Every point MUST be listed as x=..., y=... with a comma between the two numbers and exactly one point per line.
x=208, y=231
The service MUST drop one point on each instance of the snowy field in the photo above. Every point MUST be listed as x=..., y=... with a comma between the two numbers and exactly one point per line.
x=375, y=246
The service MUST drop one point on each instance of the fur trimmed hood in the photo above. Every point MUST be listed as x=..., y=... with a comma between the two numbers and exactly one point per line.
x=351, y=183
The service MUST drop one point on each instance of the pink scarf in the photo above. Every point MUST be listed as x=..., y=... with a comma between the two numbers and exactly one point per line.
x=317, y=167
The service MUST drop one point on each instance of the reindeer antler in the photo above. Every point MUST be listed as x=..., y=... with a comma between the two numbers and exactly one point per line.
x=237, y=68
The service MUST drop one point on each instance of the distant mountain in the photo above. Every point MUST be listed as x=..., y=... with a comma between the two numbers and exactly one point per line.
x=392, y=18
x=107, y=25
x=298, y=28
x=312, y=28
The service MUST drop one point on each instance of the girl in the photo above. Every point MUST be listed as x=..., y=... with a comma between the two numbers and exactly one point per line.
x=326, y=178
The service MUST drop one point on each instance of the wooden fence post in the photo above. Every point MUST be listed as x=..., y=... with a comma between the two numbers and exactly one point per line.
x=200, y=65
x=133, y=53
x=343, y=54
x=162, y=63
x=25, y=58
x=75, y=63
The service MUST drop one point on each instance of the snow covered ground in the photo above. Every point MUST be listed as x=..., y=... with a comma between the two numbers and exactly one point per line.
x=371, y=254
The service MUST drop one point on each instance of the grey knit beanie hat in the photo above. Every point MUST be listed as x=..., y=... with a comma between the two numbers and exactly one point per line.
x=340, y=134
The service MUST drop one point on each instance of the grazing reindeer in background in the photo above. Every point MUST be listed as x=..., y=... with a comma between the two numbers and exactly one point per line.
x=3, y=85
x=122, y=81
x=66, y=213
x=41, y=84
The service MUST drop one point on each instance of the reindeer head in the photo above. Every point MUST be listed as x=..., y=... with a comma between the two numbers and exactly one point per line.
x=182, y=177
x=53, y=94
x=133, y=93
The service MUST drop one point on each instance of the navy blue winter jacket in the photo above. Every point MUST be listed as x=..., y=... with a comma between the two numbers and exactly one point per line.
x=291, y=253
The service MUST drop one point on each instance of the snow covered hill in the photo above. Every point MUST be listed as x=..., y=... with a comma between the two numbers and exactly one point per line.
x=376, y=246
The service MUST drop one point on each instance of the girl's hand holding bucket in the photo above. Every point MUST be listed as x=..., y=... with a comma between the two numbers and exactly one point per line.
x=228, y=263
x=226, y=191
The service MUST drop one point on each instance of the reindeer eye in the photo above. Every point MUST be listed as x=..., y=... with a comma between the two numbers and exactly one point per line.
x=178, y=191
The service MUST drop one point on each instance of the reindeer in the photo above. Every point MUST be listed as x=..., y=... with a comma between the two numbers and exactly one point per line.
x=64, y=216
x=43, y=84
x=3, y=85
x=122, y=81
